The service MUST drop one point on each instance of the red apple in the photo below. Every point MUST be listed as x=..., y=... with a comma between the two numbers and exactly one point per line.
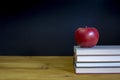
x=87, y=37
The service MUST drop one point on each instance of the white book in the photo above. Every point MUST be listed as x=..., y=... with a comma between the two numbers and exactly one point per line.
x=97, y=58
x=96, y=70
x=95, y=64
x=98, y=50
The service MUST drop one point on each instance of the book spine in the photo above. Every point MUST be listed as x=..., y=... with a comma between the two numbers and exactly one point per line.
x=97, y=70
x=98, y=52
x=96, y=64
x=97, y=58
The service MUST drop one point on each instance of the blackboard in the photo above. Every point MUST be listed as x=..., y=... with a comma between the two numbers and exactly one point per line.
x=47, y=27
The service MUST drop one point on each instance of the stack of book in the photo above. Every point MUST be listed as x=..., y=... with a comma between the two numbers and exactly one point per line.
x=99, y=59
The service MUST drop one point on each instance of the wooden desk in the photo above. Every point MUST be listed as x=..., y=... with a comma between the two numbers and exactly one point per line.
x=44, y=68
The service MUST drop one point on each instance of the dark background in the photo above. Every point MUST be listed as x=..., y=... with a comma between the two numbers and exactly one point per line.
x=46, y=27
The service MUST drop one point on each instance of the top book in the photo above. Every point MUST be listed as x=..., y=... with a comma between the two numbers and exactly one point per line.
x=98, y=50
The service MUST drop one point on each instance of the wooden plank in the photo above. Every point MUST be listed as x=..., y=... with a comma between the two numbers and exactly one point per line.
x=44, y=68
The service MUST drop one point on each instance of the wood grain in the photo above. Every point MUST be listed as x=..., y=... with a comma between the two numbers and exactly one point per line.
x=44, y=68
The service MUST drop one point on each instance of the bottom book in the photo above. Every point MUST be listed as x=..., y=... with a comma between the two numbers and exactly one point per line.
x=97, y=70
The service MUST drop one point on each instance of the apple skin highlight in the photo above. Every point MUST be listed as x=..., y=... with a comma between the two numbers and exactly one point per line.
x=86, y=37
